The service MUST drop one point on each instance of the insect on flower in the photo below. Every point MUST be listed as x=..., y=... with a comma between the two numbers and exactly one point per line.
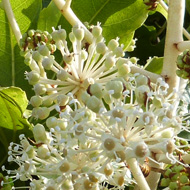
x=145, y=168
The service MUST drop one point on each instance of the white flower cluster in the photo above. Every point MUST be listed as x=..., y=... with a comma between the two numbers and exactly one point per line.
x=85, y=65
x=106, y=117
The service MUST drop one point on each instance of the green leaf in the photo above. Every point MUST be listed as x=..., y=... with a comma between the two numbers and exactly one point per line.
x=118, y=18
x=13, y=103
x=155, y=65
x=188, y=5
x=49, y=17
x=12, y=65
x=161, y=10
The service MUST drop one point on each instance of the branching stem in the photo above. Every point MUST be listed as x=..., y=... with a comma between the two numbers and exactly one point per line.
x=152, y=76
x=173, y=36
x=12, y=20
x=64, y=7
x=182, y=46
x=138, y=175
x=163, y=4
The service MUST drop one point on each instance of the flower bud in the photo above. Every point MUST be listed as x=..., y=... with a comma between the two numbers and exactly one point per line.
x=124, y=69
x=183, y=179
x=62, y=34
x=27, y=61
x=39, y=133
x=43, y=50
x=118, y=52
x=47, y=63
x=96, y=90
x=72, y=37
x=84, y=54
x=141, y=94
x=165, y=182
x=62, y=99
x=117, y=87
x=43, y=152
x=55, y=36
x=134, y=60
x=79, y=33
x=39, y=89
x=36, y=56
x=101, y=48
x=112, y=44
x=68, y=58
x=182, y=74
x=31, y=33
x=61, y=124
x=85, y=96
x=47, y=102
x=94, y=104
x=96, y=31
x=36, y=101
x=33, y=77
x=52, y=47
x=141, y=80
x=109, y=62
x=121, y=61
x=51, y=122
x=180, y=63
x=40, y=112
x=173, y=186
x=62, y=75
x=107, y=97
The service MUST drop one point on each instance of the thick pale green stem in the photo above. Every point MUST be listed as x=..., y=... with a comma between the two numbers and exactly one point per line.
x=64, y=7
x=173, y=36
x=138, y=175
x=11, y=18
x=182, y=46
x=163, y=4
x=154, y=177
x=152, y=76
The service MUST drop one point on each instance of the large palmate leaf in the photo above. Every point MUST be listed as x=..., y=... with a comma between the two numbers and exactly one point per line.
x=12, y=66
x=49, y=17
x=13, y=103
x=118, y=18
x=155, y=65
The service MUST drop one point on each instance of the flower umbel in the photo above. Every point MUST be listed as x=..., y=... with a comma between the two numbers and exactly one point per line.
x=80, y=67
x=87, y=147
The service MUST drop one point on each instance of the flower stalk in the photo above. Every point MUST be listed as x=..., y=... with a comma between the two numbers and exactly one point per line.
x=138, y=175
x=65, y=8
x=10, y=15
x=182, y=46
x=173, y=36
x=185, y=32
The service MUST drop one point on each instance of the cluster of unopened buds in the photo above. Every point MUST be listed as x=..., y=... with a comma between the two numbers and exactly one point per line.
x=183, y=64
x=106, y=116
